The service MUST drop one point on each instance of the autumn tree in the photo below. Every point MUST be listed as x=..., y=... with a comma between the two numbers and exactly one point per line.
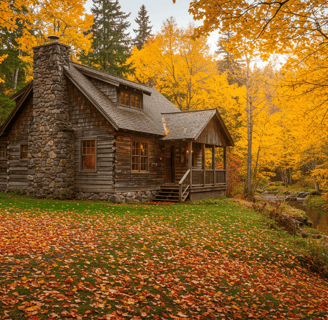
x=143, y=32
x=176, y=64
x=12, y=18
x=111, y=42
x=227, y=63
x=39, y=18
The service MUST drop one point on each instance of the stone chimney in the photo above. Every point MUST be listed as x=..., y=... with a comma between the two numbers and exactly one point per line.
x=51, y=140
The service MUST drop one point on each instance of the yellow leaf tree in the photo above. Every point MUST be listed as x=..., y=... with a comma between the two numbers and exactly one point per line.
x=65, y=18
x=176, y=64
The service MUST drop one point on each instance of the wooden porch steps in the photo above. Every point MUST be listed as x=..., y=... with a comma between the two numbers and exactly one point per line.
x=169, y=193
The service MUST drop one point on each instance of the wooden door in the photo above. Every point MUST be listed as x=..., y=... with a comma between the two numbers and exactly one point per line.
x=169, y=164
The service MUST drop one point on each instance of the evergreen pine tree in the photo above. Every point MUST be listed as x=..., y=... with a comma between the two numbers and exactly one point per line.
x=12, y=69
x=111, y=42
x=144, y=29
x=228, y=64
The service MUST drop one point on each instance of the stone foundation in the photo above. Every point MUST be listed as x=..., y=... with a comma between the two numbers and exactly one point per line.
x=127, y=197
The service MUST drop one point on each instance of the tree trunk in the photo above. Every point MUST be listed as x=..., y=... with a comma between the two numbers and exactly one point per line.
x=16, y=78
x=249, y=132
x=290, y=179
x=316, y=184
x=255, y=172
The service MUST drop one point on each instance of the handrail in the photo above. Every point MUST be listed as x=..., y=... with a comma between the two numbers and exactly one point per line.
x=184, y=177
x=181, y=193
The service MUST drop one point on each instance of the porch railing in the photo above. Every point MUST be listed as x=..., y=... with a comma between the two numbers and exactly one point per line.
x=208, y=177
x=184, y=184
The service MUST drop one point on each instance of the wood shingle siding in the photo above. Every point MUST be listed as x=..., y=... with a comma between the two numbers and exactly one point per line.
x=108, y=90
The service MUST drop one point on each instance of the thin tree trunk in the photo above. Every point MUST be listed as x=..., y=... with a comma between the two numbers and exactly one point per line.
x=316, y=184
x=249, y=132
x=255, y=171
x=16, y=78
x=290, y=179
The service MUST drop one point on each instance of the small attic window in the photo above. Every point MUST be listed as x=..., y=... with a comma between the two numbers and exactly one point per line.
x=129, y=99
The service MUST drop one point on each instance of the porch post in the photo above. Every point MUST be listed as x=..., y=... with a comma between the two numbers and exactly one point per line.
x=190, y=160
x=225, y=164
x=213, y=163
x=204, y=164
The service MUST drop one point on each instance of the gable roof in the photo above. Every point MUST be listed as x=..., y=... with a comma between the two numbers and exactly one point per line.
x=190, y=124
x=182, y=125
x=16, y=111
x=148, y=120
x=18, y=93
x=109, y=78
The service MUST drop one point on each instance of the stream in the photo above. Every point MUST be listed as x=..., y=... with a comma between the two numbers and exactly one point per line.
x=318, y=217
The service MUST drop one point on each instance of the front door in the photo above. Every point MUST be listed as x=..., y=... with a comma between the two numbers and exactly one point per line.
x=169, y=164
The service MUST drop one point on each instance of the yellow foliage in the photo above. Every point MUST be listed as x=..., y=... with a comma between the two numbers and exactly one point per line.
x=176, y=64
x=65, y=18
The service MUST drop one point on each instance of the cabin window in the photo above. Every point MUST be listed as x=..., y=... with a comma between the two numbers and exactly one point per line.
x=130, y=99
x=3, y=152
x=24, y=152
x=139, y=161
x=88, y=148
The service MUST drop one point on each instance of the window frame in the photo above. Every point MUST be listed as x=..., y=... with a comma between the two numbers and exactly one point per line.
x=20, y=151
x=130, y=92
x=140, y=156
x=5, y=146
x=81, y=156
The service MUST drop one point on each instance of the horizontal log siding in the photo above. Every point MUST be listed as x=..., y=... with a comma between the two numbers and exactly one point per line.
x=89, y=123
x=17, y=169
x=3, y=167
x=125, y=180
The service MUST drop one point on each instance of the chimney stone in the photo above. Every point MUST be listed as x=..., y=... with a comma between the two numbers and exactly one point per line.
x=51, y=142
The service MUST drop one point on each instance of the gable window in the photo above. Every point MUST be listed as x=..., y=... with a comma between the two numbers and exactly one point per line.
x=3, y=151
x=139, y=161
x=24, y=152
x=130, y=99
x=88, y=155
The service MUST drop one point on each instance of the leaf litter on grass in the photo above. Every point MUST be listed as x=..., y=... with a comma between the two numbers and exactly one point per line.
x=155, y=262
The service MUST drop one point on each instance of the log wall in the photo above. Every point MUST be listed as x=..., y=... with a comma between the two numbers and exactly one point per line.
x=125, y=179
x=3, y=166
x=17, y=169
x=89, y=123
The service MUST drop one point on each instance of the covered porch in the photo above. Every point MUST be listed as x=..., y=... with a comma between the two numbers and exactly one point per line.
x=206, y=174
x=195, y=160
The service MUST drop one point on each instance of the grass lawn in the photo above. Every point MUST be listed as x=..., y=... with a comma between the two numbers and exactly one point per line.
x=95, y=260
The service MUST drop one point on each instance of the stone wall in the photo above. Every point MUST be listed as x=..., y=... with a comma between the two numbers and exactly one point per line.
x=127, y=197
x=51, y=140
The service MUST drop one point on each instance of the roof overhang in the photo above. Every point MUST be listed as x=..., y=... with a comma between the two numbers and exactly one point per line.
x=15, y=112
x=86, y=93
x=113, y=80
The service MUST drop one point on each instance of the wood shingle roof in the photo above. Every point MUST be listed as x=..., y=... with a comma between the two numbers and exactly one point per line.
x=148, y=120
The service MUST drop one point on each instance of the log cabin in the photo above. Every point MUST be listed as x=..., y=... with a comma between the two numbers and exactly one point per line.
x=77, y=132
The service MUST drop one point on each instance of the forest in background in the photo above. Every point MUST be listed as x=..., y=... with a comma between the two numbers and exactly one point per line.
x=277, y=114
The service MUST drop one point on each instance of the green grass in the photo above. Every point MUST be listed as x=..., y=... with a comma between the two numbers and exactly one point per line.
x=316, y=202
x=291, y=188
x=202, y=260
